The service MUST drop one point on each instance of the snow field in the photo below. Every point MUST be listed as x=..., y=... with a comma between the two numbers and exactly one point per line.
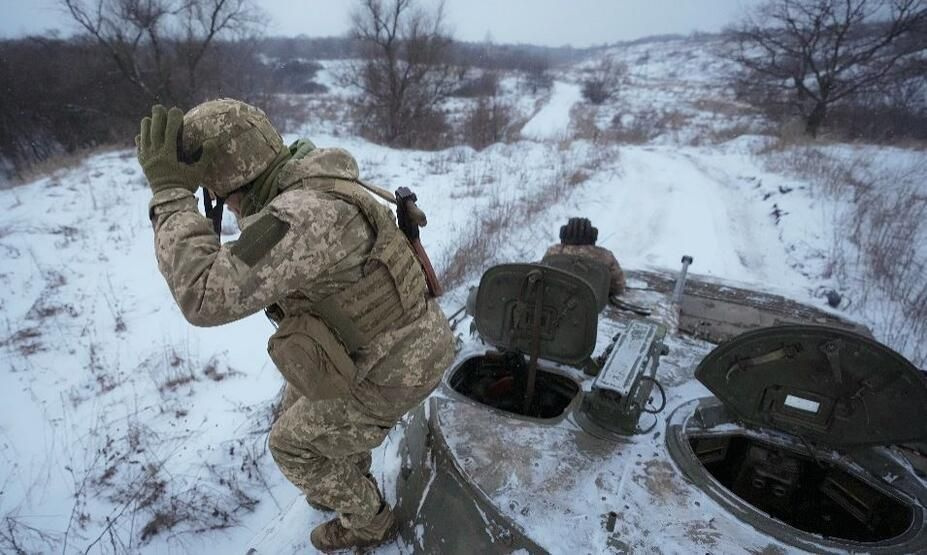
x=117, y=412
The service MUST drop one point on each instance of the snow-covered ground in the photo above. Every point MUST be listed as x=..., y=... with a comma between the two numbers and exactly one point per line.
x=124, y=429
x=553, y=120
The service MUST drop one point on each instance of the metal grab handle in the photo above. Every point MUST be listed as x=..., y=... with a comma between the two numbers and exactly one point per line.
x=681, y=280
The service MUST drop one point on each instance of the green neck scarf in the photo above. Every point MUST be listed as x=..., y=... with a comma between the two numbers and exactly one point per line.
x=265, y=187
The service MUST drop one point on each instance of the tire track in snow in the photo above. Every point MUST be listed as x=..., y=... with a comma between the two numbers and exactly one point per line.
x=553, y=120
x=668, y=202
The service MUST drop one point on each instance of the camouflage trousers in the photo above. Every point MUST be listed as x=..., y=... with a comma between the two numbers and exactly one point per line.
x=323, y=437
x=323, y=448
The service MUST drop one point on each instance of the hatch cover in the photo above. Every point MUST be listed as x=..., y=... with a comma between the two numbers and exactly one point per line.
x=508, y=297
x=825, y=385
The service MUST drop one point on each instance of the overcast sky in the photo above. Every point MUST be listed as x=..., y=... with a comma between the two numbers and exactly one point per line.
x=547, y=22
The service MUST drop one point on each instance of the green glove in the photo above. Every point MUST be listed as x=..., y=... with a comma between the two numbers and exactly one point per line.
x=157, y=152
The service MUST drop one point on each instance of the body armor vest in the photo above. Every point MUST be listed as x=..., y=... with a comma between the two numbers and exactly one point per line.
x=391, y=292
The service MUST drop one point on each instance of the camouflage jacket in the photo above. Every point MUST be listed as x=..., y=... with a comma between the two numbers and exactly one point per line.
x=302, y=247
x=600, y=254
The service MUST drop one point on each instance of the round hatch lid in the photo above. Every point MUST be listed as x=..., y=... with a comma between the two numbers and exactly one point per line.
x=508, y=297
x=825, y=385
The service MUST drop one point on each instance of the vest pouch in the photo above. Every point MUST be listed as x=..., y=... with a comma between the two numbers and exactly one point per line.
x=392, y=291
x=391, y=294
x=311, y=358
x=394, y=254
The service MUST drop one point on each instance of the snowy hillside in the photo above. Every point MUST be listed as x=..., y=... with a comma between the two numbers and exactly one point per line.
x=124, y=429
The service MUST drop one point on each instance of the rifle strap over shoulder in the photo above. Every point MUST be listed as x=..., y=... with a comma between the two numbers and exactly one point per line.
x=379, y=191
x=392, y=291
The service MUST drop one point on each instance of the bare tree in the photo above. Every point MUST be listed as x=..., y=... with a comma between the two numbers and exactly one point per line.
x=405, y=71
x=604, y=80
x=488, y=121
x=160, y=45
x=537, y=73
x=815, y=53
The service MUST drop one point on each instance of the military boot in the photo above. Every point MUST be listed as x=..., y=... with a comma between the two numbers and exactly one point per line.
x=333, y=536
x=326, y=509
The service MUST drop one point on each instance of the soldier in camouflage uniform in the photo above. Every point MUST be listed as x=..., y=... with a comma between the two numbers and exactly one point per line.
x=358, y=340
x=578, y=238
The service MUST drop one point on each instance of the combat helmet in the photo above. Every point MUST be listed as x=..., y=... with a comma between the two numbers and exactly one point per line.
x=246, y=142
x=578, y=231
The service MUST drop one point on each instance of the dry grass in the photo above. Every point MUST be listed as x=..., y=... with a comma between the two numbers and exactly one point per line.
x=491, y=231
x=487, y=122
x=877, y=250
x=720, y=106
x=637, y=128
x=645, y=126
x=56, y=165
x=583, y=123
x=19, y=538
x=480, y=240
x=126, y=464
x=719, y=135
x=832, y=177
x=890, y=230
x=25, y=341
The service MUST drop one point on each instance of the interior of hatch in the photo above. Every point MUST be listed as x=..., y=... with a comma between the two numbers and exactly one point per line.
x=794, y=487
x=498, y=380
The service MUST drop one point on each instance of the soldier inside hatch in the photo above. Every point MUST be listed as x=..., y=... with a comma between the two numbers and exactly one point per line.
x=578, y=238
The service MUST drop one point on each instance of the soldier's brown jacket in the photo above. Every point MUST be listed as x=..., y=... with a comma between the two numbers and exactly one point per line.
x=594, y=252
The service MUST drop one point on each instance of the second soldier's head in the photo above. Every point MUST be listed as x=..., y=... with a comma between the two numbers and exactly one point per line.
x=578, y=231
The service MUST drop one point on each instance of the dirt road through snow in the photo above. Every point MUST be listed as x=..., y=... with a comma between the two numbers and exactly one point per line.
x=670, y=201
x=553, y=120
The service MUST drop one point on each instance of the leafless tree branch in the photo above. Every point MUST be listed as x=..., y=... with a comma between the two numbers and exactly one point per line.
x=159, y=45
x=405, y=71
x=824, y=51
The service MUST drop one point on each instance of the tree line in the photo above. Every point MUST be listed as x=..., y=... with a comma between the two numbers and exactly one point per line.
x=61, y=95
x=855, y=64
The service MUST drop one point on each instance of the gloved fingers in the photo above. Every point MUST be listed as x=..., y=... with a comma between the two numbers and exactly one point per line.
x=173, y=125
x=138, y=142
x=145, y=133
x=208, y=149
x=158, y=125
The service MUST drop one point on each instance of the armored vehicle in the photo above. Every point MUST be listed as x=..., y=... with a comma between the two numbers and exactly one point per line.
x=744, y=423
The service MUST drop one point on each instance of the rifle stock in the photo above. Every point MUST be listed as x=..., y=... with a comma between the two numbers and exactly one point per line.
x=431, y=279
x=410, y=218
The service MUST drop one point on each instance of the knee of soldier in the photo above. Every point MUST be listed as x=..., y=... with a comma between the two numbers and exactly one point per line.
x=274, y=442
x=287, y=444
x=280, y=442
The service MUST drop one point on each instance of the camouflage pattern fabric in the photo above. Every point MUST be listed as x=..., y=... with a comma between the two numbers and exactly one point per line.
x=323, y=446
x=246, y=142
x=319, y=446
x=290, y=395
x=600, y=254
x=323, y=251
x=338, y=407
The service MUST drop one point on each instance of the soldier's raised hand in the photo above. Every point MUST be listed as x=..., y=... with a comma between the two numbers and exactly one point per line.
x=158, y=152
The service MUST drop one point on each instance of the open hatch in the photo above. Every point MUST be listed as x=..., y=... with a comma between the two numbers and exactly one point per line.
x=528, y=312
x=787, y=446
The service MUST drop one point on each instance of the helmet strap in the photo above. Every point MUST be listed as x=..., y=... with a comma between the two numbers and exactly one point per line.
x=213, y=212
